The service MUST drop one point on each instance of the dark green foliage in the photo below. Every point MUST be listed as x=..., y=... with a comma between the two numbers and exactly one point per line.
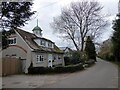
x=4, y=39
x=4, y=35
x=90, y=49
x=67, y=60
x=116, y=39
x=75, y=58
x=47, y=70
x=15, y=14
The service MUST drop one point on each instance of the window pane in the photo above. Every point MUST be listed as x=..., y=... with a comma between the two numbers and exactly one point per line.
x=14, y=40
x=40, y=58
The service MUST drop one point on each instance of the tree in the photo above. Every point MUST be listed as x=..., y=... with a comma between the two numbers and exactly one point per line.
x=79, y=20
x=90, y=49
x=13, y=15
x=4, y=39
x=4, y=34
x=75, y=58
x=116, y=38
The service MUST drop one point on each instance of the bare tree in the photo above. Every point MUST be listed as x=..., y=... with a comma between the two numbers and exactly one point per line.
x=79, y=20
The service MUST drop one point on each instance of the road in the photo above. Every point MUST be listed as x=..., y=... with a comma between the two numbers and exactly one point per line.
x=102, y=75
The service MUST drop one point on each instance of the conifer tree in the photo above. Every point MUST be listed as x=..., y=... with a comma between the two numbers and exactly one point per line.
x=13, y=15
x=116, y=38
x=90, y=49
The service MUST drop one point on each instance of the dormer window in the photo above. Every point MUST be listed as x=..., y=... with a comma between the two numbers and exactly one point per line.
x=50, y=45
x=12, y=41
x=42, y=43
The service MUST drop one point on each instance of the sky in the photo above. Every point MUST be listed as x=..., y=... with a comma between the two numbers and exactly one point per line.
x=47, y=9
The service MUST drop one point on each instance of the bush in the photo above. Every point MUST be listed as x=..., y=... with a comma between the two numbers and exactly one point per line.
x=75, y=58
x=67, y=60
x=66, y=69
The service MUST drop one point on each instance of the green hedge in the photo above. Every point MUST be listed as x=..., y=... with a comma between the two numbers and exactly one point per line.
x=47, y=70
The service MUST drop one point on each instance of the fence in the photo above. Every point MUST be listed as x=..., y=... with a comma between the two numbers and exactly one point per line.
x=11, y=66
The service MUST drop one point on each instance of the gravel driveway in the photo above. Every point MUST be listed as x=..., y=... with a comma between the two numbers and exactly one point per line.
x=31, y=81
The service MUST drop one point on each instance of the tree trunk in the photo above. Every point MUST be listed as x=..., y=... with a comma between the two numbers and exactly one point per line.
x=75, y=45
x=82, y=44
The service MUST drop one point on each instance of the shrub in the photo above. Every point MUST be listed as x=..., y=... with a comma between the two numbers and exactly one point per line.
x=75, y=58
x=83, y=57
x=65, y=69
x=67, y=60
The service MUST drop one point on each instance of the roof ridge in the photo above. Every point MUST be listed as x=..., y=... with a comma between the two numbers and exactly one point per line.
x=24, y=31
x=35, y=35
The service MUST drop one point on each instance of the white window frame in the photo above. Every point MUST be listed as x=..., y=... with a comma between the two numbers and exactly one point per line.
x=49, y=45
x=13, y=41
x=40, y=58
x=42, y=43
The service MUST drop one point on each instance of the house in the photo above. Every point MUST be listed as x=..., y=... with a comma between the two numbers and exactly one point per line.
x=33, y=48
x=67, y=51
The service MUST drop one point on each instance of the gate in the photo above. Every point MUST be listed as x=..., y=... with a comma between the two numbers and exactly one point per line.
x=11, y=66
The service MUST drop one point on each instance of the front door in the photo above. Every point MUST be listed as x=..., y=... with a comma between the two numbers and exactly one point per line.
x=50, y=58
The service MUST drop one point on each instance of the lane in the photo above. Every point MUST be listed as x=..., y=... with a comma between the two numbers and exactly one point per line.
x=102, y=75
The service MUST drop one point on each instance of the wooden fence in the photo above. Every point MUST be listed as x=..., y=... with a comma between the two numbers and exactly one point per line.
x=11, y=66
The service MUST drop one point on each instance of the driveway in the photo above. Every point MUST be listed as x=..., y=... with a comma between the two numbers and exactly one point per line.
x=31, y=81
x=101, y=75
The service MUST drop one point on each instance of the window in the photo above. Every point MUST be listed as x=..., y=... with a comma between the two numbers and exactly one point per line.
x=12, y=41
x=40, y=58
x=42, y=43
x=50, y=45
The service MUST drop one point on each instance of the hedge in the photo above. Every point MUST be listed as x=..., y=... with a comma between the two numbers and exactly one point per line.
x=47, y=70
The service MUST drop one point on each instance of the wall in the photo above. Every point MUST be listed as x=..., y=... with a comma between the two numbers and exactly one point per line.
x=21, y=49
x=45, y=61
x=39, y=64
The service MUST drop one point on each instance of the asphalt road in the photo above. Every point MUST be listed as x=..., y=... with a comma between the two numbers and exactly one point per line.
x=102, y=75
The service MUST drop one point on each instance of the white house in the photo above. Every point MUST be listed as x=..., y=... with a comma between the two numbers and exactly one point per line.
x=33, y=48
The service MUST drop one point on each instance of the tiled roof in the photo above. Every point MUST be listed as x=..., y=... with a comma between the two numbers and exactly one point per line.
x=29, y=39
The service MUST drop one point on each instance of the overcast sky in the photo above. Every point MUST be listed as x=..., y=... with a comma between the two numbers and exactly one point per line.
x=47, y=9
